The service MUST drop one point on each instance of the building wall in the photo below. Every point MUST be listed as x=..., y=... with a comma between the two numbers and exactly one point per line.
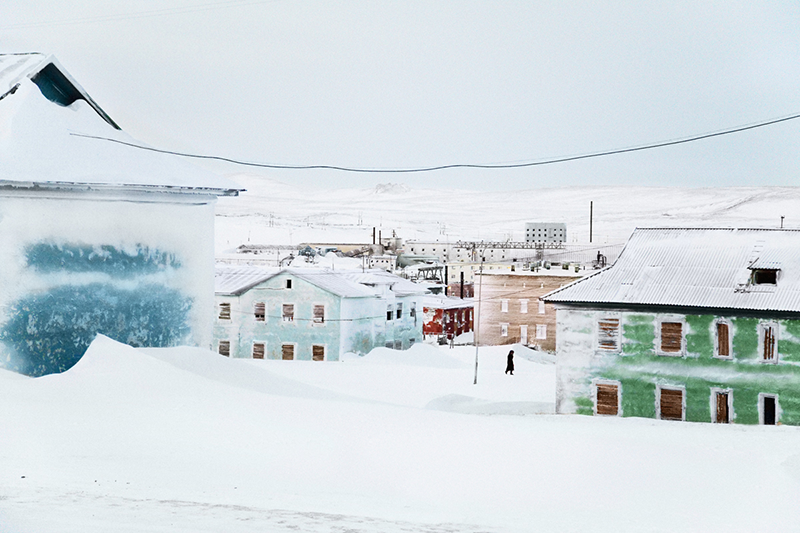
x=351, y=324
x=545, y=232
x=639, y=371
x=493, y=289
x=138, y=269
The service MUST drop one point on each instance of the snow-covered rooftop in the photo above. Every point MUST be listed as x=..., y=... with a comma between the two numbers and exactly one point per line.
x=236, y=279
x=697, y=267
x=53, y=133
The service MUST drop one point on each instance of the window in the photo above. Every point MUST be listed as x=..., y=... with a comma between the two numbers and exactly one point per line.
x=258, y=350
x=319, y=314
x=671, y=342
x=504, y=330
x=723, y=346
x=764, y=276
x=606, y=399
x=768, y=410
x=225, y=348
x=260, y=311
x=288, y=313
x=541, y=307
x=225, y=311
x=398, y=344
x=318, y=352
x=541, y=331
x=768, y=342
x=389, y=312
x=287, y=352
x=670, y=404
x=721, y=405
x=413, y=312
x=504, y=306
x=288, y=283
x=523, y=306
x=608, y=334
x=399, y=311
x=523, y=334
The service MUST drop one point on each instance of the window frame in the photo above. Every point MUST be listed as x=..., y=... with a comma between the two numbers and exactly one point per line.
x=263, y=317
x=504, y=329
x=680, y=388
x=225, y=311
x=227, y=343
x=716, y=324
x=608, y=382
x=287, y=318
x=263, y=344
x=713, y=404
x=324, y=352
x=778, y=410
x=541, y=327
x=523, y=306
x=504, y=305
x=294, y=351
x=314, y=319
x=542, y=309
x=671, y=320
x=599, y=348
x=399, y=308
x=762, y=330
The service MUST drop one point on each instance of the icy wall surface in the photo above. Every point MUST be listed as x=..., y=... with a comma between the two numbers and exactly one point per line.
x=137, y=269
x=50, y=330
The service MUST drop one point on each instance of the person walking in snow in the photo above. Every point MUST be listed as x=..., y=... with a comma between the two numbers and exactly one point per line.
x=510, y=364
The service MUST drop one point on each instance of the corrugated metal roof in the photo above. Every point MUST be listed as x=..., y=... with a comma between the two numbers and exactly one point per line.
x=237, y=279
x=377, y=277
x=697, y=267
x=333, y=281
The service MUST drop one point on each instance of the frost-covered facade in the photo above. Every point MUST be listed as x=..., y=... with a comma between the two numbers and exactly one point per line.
x=95, y=236
x=688, y=324
x=313, y=313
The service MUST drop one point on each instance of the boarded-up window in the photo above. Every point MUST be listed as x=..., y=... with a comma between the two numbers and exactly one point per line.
x=258, y=350
x=769, y=343
x=671, y=337
x=723, y=411
x=504, y=306
x=225, y=311
x=288, y=312
x=225, y=348
x=504, y=330
x=260, y=311
x=287, y=352
x=398, y=344
x=671, y=404
x=608, y=334
x=317, y=353
x=319, y=314
x=541, y=307
x=541, y=331
x=723, y=340
x=523, y=306
x=607, y=399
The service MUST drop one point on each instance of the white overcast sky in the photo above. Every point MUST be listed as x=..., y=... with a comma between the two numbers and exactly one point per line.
x=415, y=83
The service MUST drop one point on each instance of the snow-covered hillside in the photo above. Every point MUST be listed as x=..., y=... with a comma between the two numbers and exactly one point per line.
x=271, y=212
x=180, y=439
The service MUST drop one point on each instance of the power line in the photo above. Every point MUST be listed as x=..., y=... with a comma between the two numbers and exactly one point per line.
x=454, y=165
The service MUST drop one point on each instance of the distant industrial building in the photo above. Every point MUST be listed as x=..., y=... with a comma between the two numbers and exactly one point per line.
x=545, y=232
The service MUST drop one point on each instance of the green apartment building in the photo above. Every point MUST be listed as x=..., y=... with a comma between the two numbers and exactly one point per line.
x=694, y=324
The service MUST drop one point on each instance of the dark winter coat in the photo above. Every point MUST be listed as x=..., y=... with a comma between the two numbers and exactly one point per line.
x=510, y=364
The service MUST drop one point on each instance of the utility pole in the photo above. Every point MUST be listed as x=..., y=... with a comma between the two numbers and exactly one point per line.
x=591, y=209
x=477, y=319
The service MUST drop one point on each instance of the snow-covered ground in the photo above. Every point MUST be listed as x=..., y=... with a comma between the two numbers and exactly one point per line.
x=272, y=212
x=182, y=439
